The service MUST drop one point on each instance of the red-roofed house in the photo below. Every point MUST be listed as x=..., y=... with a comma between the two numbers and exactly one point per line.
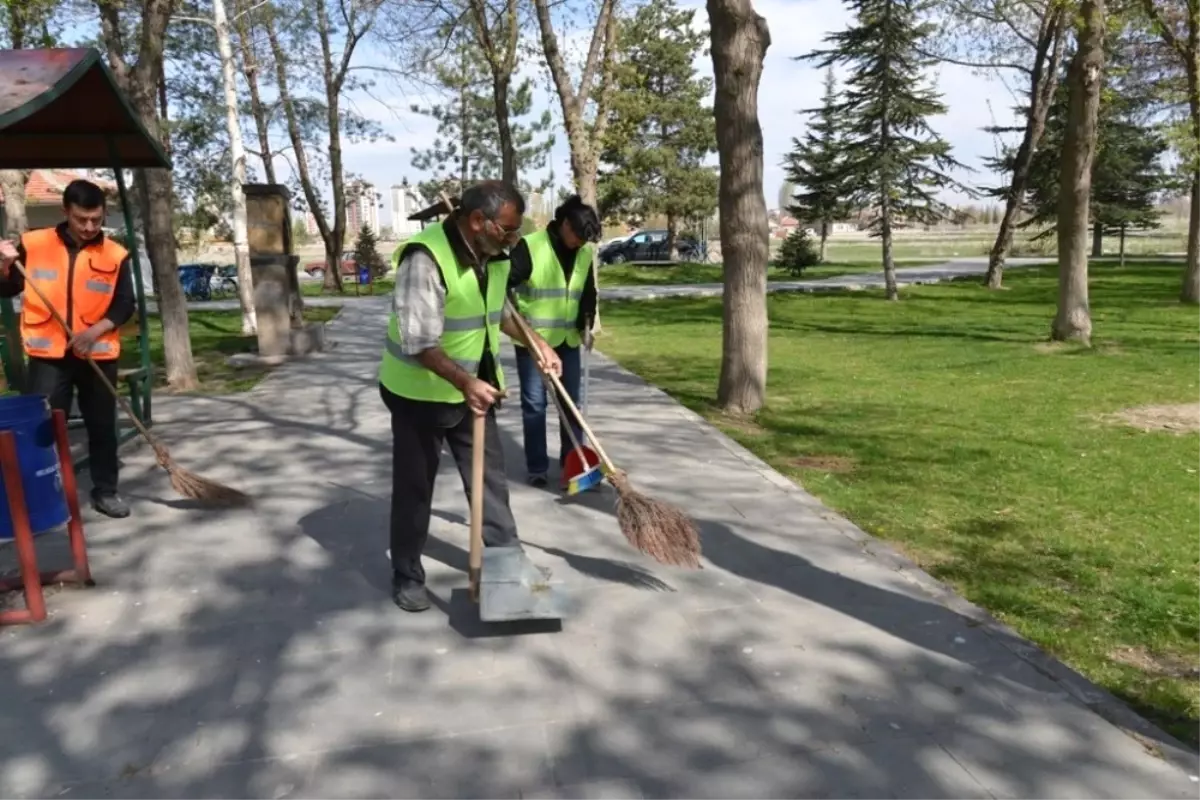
x=43, y=198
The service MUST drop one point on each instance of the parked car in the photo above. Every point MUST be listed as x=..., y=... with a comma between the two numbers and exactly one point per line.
x=223, y=280
x=647, y=246
x=317, y=268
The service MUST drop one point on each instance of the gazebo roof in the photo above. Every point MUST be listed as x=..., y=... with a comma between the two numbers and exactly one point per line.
x=62, y=108
x=434, y=211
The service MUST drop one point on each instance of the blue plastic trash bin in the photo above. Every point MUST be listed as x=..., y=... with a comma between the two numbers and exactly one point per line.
x=364, y=276
x=29, y=418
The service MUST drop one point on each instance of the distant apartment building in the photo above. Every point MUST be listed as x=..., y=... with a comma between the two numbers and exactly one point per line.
x=362, y=207
x=405, y=203
x=310, y=224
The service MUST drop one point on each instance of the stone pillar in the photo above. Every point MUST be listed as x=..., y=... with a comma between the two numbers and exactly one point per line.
x=277, y=302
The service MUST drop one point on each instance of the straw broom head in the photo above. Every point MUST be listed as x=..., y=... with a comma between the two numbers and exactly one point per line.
x=658, y=529
x=196, y=487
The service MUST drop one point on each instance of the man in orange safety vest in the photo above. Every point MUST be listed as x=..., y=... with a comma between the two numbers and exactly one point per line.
x=87, y=278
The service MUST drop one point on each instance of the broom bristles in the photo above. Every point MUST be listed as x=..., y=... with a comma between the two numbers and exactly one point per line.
x=196, y=487
x=658, y=529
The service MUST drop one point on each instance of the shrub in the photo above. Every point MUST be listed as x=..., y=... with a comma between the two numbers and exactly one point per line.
x=797, y=253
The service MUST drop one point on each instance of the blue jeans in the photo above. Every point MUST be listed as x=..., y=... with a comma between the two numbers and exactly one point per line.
x=533, y=407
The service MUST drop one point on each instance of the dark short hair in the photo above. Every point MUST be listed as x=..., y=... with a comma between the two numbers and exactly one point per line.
x=582, y=218
x=83, y=194
x=489, y=197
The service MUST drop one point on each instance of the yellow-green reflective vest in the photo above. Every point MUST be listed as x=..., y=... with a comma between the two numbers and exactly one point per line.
x=547, y=299
x=470, y=325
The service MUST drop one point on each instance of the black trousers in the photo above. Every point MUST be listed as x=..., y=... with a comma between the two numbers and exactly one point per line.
x=418, y=431
x=58, y=379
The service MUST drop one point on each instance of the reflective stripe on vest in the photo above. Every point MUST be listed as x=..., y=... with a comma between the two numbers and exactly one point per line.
x=81, y=293
x=470, y=324
x=547, y=299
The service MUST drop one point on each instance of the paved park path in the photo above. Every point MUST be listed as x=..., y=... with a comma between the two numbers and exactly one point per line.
x=958, y=269
x=256, y=653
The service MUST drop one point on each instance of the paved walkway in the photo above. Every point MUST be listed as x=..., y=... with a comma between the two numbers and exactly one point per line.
x=957, y=269
x=256, y=653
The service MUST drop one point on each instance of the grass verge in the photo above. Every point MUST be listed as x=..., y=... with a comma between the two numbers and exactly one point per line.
x=943, y=423
x=216, y=335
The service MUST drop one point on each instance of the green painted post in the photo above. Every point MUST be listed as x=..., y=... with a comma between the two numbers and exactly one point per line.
x=14, y=357
x=143, y=322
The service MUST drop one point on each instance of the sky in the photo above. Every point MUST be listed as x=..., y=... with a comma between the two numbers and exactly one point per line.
x=797, y=27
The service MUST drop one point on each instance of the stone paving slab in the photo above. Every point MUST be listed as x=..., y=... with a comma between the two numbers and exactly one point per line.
x=256, y=653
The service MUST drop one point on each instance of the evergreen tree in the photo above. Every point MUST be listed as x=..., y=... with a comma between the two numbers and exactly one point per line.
x=659, y=129
x=366, y=252
x=894, y=164
x=1127, y=173
x=464, y=150
x=815, y=166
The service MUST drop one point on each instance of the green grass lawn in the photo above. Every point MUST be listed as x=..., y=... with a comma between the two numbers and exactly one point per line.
x=216, y=335
x=945, y=424
x=315, y=289
x=677, y=274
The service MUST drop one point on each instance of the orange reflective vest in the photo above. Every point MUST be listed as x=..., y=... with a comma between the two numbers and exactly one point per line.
x=81, y=292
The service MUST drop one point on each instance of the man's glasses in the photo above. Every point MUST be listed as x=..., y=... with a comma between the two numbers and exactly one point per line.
x=506, y=235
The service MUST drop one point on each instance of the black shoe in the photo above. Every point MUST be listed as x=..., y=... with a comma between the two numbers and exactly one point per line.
x=110, y=505
x=539, y=481
x=410, y=595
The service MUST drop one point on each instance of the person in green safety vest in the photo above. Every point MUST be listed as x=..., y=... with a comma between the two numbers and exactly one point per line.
x=441, y=366
x=552, y=278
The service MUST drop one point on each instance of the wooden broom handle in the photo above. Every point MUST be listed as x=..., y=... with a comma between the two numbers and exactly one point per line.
x=70, y=337
x=475, y=554
x=550, y=376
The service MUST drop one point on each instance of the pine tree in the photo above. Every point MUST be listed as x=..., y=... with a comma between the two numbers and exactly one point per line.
x=815, y=165
x=894, y=163
x=464, y=150
x=366, y=253
x=660, y=129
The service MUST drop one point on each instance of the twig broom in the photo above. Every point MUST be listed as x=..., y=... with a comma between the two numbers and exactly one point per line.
x=187, y=484
x=658, y=529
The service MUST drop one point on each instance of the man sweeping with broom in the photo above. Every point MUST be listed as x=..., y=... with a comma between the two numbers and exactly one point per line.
x=87, y=278
x=441, y=368
x=556, y=292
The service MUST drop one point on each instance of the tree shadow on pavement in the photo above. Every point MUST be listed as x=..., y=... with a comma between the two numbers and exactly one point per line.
x=256, y=653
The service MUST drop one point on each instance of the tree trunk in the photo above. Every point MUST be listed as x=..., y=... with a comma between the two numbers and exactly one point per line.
x=584, y=141
x=293, y=127
x=508, y=152
x=672, y=235
x=155, y=187
x=889, y=261
x=1073, y=322
x=1122, y=245
x=336, y=239
x=141, y=81
x=1191, y=272
x=1043, y=81
x=824, y=240
x=740, y=39
x=246, y=32
x=237, y=152
x=1097, y=240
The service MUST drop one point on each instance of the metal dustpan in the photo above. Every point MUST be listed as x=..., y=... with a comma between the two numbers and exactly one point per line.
x=505, y=584
x=512, y=587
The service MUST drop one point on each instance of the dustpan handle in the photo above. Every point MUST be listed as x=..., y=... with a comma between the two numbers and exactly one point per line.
x=475, y=555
